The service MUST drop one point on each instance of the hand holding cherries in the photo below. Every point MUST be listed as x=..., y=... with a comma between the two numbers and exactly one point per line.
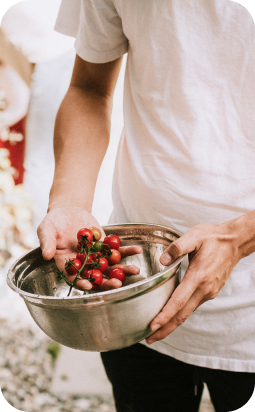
x=92, y=259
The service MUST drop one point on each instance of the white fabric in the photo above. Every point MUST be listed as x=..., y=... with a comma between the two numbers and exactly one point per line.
x=17, y=95
x=187, y=154
x=29, y=25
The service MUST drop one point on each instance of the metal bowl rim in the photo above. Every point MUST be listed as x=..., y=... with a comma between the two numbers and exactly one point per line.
x=98, y=294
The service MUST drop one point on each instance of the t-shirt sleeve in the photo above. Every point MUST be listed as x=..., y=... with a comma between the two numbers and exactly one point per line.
x=97, y=27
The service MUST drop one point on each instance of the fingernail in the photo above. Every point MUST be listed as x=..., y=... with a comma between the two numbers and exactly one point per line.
x=150, y=341
x=155, y=327
x=166, y=259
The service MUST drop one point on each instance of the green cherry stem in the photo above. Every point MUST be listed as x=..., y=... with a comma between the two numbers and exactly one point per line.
x=78, y=272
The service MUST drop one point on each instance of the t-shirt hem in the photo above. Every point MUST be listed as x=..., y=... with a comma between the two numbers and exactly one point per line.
x=233, y=365
x=66, y=29
x=94, y=56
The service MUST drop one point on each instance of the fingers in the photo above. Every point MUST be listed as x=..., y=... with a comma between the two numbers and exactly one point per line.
x=83, y=284
x=106, y=285
x=125, y=251
x=188, y=296
x=208, y=271
x=182, y=246
x=47, y=238
x=129, y=270
x=110, y=284
x=48, y=248
x=176, y=320
x=130, y=251
x=176, y=303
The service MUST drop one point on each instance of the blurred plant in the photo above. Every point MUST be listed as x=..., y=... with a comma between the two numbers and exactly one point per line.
x=15, y=210
x=53, y=349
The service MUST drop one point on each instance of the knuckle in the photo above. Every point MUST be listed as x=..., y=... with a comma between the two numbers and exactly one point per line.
x=208, y=290
x=203, y=279
x=176, y=248
x=213, y=295
x=180, y=320
x=179, y=303
x=163, y=319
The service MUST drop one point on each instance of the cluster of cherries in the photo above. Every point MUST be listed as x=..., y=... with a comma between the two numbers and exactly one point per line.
x=93, y=258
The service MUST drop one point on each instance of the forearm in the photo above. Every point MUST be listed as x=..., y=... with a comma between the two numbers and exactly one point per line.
x=81, y=138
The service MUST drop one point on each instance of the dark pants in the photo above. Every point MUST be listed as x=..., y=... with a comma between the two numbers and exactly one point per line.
x=145, y=380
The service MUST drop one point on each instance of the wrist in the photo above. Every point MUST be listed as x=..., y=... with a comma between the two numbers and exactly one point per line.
x=66, y=196
x=242, y=232
x=69, y=201
x=66, y=205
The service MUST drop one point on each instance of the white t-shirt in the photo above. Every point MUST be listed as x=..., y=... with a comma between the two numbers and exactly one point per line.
x=187, y=154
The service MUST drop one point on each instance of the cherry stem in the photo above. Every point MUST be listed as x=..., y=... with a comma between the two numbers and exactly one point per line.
x=95, y=265
x=78, y=271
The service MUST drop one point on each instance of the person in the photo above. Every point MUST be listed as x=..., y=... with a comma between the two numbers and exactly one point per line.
x=185, y=160
x=29, y=24
x=14, y=101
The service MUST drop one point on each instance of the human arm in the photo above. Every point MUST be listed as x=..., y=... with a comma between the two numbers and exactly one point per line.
x=214, y=250
x=81, y=138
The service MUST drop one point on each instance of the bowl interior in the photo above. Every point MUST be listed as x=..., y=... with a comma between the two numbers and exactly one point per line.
x=34, y=275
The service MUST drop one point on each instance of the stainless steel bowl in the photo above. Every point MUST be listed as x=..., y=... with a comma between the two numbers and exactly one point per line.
x=106, y=320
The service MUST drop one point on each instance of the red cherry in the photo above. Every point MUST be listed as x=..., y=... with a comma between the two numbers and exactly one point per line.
x=115, y=257
x=73, y=266
x=84, y=236
x=117, y=273
x=113, y=241
x=95, y=274
x=103, y=264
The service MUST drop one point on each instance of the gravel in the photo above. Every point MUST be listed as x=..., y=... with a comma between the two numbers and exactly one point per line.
x=26, y=368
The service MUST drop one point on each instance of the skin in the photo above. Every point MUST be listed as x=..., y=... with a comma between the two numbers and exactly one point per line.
x=214, y=251
x=81, y=138
x=58, y=238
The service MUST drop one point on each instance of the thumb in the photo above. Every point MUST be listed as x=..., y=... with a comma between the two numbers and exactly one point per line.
x=47, y=239
x=182, y=246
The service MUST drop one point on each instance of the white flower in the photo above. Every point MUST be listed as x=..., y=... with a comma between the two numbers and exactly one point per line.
x=6, y=182
x=5, y=163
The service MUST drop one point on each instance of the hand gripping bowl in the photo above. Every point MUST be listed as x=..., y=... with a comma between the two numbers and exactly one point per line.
x=106, y=320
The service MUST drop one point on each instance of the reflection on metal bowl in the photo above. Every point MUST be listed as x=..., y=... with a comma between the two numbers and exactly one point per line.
x=106, y=320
